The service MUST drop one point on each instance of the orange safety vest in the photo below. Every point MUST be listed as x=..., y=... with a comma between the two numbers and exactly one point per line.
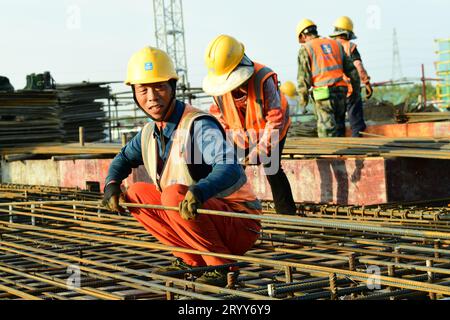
x=327, y=59
x=349, y=48
x=176, y=170
x=248, y=133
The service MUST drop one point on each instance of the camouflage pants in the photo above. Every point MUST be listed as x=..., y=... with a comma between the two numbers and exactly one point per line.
x=331, y=114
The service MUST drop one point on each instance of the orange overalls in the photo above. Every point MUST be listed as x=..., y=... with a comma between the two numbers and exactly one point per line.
x=207, y=233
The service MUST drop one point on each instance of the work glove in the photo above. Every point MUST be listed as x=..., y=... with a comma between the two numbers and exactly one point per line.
x=369, y=91
x=113, y=195
x=189, y=206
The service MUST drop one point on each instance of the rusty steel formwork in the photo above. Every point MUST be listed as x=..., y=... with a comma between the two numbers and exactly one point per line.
x=59, y=243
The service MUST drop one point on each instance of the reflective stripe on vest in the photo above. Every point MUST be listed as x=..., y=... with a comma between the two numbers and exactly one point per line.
x=176, y=170
x=246, y=134
x=327, y=58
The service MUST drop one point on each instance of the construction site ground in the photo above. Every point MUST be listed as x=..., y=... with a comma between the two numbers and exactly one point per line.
x=59, y=243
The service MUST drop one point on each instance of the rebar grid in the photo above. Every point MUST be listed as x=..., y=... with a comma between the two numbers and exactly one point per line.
x=43, y=244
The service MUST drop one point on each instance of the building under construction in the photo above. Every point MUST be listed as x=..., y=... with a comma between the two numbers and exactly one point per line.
x=372, y=220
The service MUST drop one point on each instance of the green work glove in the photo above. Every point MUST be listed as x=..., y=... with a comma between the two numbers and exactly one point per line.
x=113, y=195
x=189, y=206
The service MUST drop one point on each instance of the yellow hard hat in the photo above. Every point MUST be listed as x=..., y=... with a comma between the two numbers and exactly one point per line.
x=344, y=27
x=223, y=58
x=344, y=23
x=288, y=88
x=150, y=65
x=304, y=24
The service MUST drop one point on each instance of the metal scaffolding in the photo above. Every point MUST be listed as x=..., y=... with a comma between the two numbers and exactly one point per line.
x=169, y=32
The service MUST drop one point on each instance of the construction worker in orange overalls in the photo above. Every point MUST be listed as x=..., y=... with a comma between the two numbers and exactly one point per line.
x=322, y=65
x=185, y=153
x=250, y=107
x=343, y=32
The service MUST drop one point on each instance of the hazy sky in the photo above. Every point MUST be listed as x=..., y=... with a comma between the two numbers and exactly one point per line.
x=47, y=34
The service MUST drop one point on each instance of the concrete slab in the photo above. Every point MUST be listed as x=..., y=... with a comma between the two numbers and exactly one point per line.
x=336, y=180
x=343, y=181
x=71, y=174
x=31, y=172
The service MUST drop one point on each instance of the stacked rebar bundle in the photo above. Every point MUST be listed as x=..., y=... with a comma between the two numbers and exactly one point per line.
x=29, y=117
x=423, y=117
x=77, y=250
x=303, y=129
x=78, y=108
x=36, y=117
x=430, y=148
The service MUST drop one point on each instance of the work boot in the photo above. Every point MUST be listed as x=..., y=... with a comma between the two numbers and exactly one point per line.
x=177, y=265
x=217, y=277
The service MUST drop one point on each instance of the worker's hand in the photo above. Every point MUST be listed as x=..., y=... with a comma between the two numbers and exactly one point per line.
x=252, y=159
x=369, y=90
x=189, y=206
x=113, y=195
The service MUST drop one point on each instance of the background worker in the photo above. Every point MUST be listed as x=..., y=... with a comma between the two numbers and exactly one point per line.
x=250, y=107
x=186, y=155
x=322, y=64
x=289, y=90
x=343, y=32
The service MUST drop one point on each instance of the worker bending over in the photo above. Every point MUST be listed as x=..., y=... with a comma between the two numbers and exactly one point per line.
x=251, y=109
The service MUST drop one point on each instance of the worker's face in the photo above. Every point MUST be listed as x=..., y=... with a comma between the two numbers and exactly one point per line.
x=243, y=89
x=155, y=99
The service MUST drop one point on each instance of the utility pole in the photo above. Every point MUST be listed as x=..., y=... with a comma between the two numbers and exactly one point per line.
x=424, y=88
x=397, y=73
x=169, y=32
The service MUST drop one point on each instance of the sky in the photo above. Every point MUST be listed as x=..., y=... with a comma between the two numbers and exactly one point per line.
x=92, y=40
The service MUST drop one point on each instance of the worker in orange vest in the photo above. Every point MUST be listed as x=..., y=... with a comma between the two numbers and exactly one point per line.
x=186, y=155
x=322, y=65
x=252, y=110
x=343, y=33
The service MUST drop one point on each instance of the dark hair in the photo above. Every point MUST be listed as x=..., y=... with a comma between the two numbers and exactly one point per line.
x=173, y=84
x=311, y=31
x=345, y=33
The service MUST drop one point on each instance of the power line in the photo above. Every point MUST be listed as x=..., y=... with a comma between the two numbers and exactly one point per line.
x=397, y=72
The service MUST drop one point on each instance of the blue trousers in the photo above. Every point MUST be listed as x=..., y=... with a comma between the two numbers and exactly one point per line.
x=356, y=116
